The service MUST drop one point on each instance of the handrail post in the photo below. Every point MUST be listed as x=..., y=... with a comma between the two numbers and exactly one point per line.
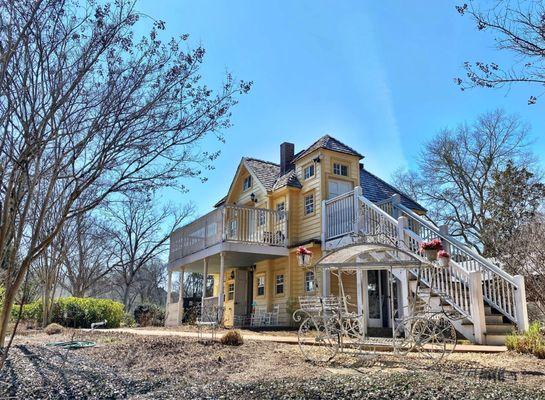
x=476, y=302
x=402, y=223
x=521, y=310
x=396, y=200
x=324, y=224
x=223, y=224
x=357, y=194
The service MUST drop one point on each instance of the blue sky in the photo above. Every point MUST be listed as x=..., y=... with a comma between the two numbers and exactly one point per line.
x=378, y=75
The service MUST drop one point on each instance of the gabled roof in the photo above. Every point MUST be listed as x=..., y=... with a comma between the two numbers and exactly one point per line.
x=330, y=143
x=376, y=190
x=266, y=172
x=288, y=179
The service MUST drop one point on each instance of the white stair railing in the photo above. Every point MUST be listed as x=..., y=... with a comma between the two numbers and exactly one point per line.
x=500, y=289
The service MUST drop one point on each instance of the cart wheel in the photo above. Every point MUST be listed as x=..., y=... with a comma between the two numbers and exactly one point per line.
x=404, y=341
x=318, y=341
x=434, y=336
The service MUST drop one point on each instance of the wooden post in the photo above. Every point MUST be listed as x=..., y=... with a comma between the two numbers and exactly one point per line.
x=204, y=279
x=521, y=309
x=476, y=303
x=169, y=292
x=403, y=274
x=181, y=296
x=221, y=287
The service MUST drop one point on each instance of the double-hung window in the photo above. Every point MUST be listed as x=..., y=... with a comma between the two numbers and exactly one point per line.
x=261, y=286
x=279, y=284
x=309, y=204
x=231, y=291
x=308, y=172
x=340, y=169
x=247, y=184
x=309, y=281
x=281, y=211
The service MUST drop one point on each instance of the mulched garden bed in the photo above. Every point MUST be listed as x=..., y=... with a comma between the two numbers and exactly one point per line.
x=140, y=367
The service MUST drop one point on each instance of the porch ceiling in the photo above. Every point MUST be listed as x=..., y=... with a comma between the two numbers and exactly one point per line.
x=235, y=255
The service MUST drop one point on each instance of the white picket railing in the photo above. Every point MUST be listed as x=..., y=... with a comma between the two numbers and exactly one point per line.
x=499, y=288
x=376, y=224
x=233, y=224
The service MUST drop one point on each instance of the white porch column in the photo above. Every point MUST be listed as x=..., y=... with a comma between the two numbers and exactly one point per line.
x=402, y=274
x=169, y=292
x=169, y=288
x=325, y=282
x=204, y=279
x=181, y=276
x=221, y=287
x=521, y=309
x=476, y=303
x=359, y=290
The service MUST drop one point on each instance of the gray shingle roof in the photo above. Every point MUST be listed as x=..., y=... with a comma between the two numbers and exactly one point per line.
x=288, y=179
x=375, y=189
x=330, y=143
x=268, y=174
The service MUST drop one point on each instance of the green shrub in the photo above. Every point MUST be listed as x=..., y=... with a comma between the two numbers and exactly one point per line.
x=31, y=311
x=232, y=338
x=149, y=315
x=77, y=312
x=531, y=342
x=128, y=321
x=53, y=329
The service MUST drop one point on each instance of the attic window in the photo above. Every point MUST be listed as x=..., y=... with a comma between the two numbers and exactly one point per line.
x=340, y=169
x=247, y=184
x=308, y=171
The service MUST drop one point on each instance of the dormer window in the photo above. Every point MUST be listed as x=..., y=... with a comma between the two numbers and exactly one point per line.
x=340, y=169
x=308, y=172
x=247, y=184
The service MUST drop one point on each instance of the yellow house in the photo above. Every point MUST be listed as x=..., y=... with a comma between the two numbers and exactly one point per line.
x=310, y=198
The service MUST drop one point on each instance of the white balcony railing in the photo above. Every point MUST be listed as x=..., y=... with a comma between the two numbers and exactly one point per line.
x=230, y=224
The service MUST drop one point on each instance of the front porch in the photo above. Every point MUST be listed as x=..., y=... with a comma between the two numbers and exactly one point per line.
x=226, y=244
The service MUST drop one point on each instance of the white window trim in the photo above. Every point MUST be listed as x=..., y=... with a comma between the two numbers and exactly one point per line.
x=245, y=189
x=313, y=171
x=305, y=204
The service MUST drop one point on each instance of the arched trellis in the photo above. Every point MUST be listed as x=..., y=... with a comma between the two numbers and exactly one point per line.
x=362, y=257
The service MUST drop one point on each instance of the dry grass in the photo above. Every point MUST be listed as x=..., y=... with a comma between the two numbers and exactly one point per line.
x=232, y=338
x=53, y=329
x=132, y=366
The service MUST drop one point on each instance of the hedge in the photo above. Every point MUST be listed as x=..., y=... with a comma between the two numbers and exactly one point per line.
x=76, y=312
x=149, y=315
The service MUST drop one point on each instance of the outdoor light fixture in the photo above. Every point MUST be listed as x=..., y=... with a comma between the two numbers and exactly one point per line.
x=232, y=274
x=253, y=197
x=317, y=159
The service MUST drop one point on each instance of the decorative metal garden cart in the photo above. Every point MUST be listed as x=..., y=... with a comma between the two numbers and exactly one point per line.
x=329, y=324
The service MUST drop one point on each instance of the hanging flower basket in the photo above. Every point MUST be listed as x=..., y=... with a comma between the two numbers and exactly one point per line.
x=304, y=256
x=443, y=258
x=430, y=249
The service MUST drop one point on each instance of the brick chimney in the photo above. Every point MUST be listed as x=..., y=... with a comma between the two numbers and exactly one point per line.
x=287, y=151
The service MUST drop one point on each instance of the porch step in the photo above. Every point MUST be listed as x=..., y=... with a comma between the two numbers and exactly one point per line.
x=495, y=339
x=500, y=329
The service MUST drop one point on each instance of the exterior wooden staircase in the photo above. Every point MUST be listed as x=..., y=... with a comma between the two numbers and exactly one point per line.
x=491, y=302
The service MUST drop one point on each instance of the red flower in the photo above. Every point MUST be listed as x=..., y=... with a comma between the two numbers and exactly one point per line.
x=303, y=250
x=434, y=244
x=443, y=253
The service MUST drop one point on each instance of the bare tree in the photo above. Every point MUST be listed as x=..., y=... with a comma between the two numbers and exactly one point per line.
x=150, y=282
x=457, y=169
x=89, y=257
x=518, y=29
x=140, y=236
x=87, y=111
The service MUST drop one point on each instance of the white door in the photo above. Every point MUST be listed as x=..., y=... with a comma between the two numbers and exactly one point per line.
x=337, y=187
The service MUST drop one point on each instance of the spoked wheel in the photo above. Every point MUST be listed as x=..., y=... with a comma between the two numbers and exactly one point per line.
x=403, y=337
x=434, y=336
x=318, y=341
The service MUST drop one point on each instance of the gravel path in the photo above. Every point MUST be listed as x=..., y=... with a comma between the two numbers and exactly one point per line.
x=138, y=367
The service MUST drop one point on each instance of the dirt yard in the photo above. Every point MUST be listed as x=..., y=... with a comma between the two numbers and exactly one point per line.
x=140, y=367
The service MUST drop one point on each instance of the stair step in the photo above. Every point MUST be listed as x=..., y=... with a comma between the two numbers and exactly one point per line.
x=502, y=329
x=495, y=339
